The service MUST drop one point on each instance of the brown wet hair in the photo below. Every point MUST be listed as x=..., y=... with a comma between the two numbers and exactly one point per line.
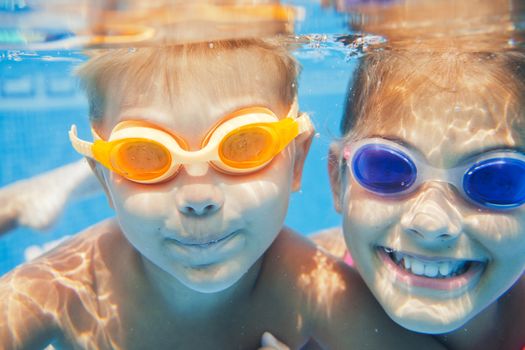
x=143, y=69
x=386, y=82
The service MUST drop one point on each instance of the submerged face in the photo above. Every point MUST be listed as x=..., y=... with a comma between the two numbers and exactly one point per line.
x=433, y=259
x=204, y=227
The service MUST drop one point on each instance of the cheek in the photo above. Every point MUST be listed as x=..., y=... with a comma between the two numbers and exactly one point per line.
x=365, y=211
x=262, y=200
x=146, y=201
x=501, y=234
x=149, y=204
x=266, y=193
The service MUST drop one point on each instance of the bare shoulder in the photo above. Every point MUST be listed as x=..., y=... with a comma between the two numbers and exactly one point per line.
x=303, y=282
x=295, y=253
x=312, y=275
x=37, y=298
x=70, y=266
x=331, y=240
x=337, y=309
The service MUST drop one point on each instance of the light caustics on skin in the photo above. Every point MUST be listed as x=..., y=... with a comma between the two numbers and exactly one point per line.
x=322, y=284
x=58, y=290
x=186, y=254
x=417, y=287
x=211, y=251
x=433, y=258
x=418, y=308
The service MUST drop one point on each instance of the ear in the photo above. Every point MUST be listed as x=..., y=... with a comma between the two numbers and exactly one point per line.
x=334, y=172
x=302, y=146
x=96, y=168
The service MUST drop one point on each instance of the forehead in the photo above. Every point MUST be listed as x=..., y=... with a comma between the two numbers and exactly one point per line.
x=447, y=126
x=192, y=91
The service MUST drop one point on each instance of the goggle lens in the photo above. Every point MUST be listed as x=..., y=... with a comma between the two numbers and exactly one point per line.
x=141, y=159
x=382, y=169
x=496, y=183
x=247, y=147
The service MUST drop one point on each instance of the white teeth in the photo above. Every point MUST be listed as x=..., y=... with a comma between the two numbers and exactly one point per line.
x=432, y=269
x=406, y=262
x=418, y=268
x=444, y=268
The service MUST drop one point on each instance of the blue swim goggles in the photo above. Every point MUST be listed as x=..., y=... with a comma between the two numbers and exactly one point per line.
x=495, y=180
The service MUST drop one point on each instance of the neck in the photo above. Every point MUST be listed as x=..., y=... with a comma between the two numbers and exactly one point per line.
x=184, y=300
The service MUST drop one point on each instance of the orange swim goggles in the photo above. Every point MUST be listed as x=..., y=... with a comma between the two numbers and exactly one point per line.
x=243, y=142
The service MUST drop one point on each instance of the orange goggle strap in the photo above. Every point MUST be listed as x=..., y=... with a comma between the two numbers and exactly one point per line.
x=99, y=150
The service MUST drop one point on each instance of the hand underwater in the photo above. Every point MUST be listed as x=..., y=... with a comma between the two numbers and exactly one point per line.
x=269, y=342
x=38, y=201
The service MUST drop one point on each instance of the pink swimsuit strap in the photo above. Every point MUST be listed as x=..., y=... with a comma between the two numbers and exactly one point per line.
x=347, y=258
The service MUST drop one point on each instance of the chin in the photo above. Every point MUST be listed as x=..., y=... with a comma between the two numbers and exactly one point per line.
x=436, y=318
x=209, y=287
x=212, y=279
x=428, y=326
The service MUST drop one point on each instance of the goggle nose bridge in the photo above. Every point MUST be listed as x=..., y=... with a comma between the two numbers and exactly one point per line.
x=427, y=173
x=195, y=157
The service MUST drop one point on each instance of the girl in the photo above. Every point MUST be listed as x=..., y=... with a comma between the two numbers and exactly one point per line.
x=430, y=180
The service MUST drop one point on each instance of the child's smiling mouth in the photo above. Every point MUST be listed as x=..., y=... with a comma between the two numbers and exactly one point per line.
x=434, y=273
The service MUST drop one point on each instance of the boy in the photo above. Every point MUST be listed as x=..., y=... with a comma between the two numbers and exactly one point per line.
x=193, y=146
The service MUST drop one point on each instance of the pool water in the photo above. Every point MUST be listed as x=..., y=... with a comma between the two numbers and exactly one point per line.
x=40, y=99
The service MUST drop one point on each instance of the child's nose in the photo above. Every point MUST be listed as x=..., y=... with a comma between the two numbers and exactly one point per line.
x=433, y=216
x=199, y=199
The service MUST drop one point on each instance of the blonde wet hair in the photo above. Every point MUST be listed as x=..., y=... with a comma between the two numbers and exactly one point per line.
x=388, y=83
x=109, y=73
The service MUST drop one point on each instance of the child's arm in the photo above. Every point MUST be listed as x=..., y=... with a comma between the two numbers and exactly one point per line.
x=24, y=322
x=38, y=201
